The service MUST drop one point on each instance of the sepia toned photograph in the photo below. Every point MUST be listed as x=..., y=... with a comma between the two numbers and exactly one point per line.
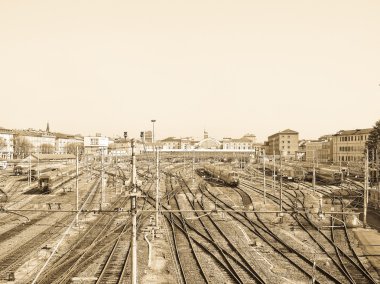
x=189, y=142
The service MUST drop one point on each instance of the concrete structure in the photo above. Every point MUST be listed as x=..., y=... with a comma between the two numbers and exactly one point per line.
x=348, y=145
x=6, y=144
x=283, y=143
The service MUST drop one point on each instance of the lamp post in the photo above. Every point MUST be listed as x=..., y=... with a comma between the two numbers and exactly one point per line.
x=153, y=121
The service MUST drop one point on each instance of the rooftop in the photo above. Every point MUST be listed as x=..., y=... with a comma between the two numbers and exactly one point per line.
x=354, y=132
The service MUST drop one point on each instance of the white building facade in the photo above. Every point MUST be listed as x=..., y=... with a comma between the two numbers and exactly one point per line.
x=6, y=146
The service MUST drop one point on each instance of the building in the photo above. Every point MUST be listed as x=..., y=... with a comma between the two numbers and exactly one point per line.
x=208, y=143
x=33, y=141
x=187, y=143
x=63, y=141
x=6, y=144
x=319, y=150
x=247, y=142
x=50, y=158
x=93, y=145
x=283, y=143
x=147, y=136
x=171, y=143
x=120, y=148
x=349, y=145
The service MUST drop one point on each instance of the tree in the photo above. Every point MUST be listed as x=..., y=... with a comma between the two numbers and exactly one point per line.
x=373, y=142
x=71, y=148
x=3, y=143
x=22, y=147
x=47, y=148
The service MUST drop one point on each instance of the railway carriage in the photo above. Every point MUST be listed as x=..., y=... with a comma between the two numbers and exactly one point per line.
x=230, y=178
x=325, y=176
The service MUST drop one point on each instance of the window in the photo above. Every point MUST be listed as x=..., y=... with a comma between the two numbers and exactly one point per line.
x=288, y=147
x=288, y=141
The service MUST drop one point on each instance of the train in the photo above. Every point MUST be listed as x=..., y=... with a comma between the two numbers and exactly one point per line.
x=287, y=172
x=325, y=176
x=50, y=179
x=47, y=177
x=228, y=177
x=24, y=171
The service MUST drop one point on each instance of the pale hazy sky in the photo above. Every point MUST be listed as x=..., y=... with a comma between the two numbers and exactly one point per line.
x=229, y=67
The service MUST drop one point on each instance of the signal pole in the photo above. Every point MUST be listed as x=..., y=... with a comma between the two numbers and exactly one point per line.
x=134, y=216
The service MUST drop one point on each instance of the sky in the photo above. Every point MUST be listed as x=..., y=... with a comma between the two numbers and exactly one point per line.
x=227, y=67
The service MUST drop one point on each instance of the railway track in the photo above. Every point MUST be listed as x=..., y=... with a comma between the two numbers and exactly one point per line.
x=341, y=260
x=239, y=268
x=14, y=259
x=299, y=261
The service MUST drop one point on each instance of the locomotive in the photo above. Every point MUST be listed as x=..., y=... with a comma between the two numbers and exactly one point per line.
x=230, y=178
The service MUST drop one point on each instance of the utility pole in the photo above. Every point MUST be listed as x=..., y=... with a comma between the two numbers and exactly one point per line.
x=313, y=171
x=157, y=186
x=30, y=170
x=365, y=190
x=274, y=169
x=265, y=193
x=184, y=161
x=77, y=190
x=281, y=182
x=102, y=194
x=192, y=173
x=38, y=166
x=153, y=121
x=377, y=176
x=134, y=216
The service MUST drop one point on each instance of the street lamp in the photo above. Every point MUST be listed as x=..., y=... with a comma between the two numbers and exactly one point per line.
x=153, y=121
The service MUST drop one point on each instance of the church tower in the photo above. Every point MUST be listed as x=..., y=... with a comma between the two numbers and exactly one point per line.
x=205, y=134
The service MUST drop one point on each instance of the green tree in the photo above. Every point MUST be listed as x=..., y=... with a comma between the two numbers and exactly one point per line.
x=373, y=142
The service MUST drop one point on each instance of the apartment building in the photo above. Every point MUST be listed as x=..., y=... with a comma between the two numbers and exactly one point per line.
x=283, y=143
x=349, y=145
